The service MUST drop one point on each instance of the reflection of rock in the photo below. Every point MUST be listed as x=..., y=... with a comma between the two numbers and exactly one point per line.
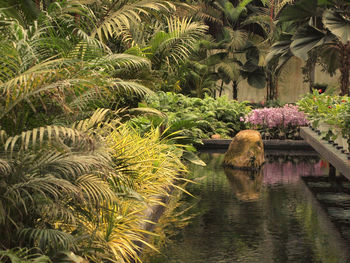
x=246, y=185
x=246, y=150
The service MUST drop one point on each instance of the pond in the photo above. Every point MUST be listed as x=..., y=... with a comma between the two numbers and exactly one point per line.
x=283, y=214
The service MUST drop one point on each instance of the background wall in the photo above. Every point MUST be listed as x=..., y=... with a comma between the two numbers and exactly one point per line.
x=291, y=84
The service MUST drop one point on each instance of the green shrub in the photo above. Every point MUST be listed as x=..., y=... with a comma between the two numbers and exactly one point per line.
x=196, y=118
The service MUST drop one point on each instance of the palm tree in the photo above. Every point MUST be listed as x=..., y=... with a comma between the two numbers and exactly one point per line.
x=324, y=31
x=240, y=44
x=37, y=78
x=81, y=188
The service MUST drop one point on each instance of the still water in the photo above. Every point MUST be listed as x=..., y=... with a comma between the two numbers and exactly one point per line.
x=273, y=216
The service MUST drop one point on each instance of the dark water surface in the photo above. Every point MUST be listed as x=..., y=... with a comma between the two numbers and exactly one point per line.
x=274, y=216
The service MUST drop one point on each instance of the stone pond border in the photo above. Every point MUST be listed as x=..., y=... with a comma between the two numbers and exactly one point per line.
x=209, y=144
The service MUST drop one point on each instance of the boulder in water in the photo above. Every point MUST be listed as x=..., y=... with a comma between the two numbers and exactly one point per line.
x=246, y=151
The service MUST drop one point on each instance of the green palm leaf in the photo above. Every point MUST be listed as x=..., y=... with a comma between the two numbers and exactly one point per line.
x=118, y=18
x=337, y=22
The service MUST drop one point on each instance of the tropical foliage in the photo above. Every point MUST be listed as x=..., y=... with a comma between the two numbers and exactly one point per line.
x=196, y=118
x=79, y=163
x=328, y=116
x=319, y=31
x=76, y=182
x=82, y=190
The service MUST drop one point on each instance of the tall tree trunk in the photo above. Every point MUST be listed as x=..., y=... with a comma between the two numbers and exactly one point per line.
x=234, y=90
x=221, y=88
x=268, y=86
x=37, y=2
x=344, y=69
x=272, y=87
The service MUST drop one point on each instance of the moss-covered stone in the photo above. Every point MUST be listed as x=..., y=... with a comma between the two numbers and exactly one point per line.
x=246, y=151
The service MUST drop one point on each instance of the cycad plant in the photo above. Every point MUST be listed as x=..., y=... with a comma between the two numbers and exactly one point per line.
x=49, y=175
x=83, y=190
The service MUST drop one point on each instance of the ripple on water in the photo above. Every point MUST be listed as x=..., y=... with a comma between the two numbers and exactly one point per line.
x=268, y=217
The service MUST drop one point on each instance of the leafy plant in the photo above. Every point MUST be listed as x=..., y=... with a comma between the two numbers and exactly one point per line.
x=321, y=27
x=206, y=116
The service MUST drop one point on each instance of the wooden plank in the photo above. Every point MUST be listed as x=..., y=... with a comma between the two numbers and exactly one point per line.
x=328, y=151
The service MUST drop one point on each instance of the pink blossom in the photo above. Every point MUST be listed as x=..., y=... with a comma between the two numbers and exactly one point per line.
x=288, y=115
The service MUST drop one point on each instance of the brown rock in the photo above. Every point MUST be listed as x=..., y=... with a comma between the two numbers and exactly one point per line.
x=216, y=136
x=246, y=151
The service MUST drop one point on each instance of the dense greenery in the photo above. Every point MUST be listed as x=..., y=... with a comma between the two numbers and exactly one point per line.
x=77, y=168
x=197, y=118
x=329, y=115
x=74, y=181
x=316, y=31
x=82, y=190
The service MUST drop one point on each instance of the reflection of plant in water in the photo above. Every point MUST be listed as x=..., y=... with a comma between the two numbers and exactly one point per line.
x=309, y=218
x=177, y=215
x=283, y=158
x=289, y=172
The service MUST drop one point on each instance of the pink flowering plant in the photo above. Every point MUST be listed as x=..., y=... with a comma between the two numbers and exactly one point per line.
x=277, y=123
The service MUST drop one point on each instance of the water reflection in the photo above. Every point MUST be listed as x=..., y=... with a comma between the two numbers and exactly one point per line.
x=246, y=185
x=271, y=217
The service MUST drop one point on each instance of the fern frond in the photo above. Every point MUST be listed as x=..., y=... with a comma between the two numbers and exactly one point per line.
x=37, y=136
x=96, y=190
x=129, y=87
x=49, y=238
x=23, y=255
x=115, y=23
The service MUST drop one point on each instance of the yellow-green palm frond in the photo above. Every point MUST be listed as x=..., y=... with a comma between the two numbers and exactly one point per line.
x=175, y=45
x=151, y=162
x=37, y=136
x=117, y=234
x=129, y=87
x=122, y=63
x=96, y=118
x=117, y=17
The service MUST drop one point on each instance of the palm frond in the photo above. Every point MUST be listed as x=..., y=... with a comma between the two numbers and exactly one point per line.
x=116, y=22
x=23, y=255
x=174, y=46
x=129, y=87
x=97, y=117
x=49, y=238
x=37, y=136
x=96, y=190
x=122, y=63
x=208, y=13
x=5, y=167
